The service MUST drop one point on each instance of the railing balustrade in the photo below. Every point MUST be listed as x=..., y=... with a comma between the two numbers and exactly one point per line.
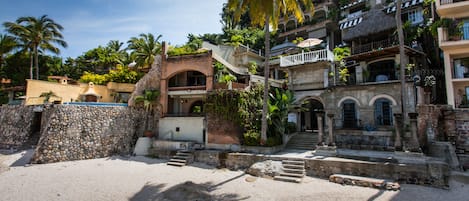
x=306, y=57
x=375, y=45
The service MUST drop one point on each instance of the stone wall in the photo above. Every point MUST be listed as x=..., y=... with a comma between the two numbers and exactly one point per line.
x=15, y=125
x=432, y=173
x=365, y=140
x=86, y=132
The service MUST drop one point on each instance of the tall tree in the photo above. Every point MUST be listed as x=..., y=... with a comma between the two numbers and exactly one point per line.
x=145, y=47
x=41, y=33
x=264, y=13
x=403, y=58
x=7, y=44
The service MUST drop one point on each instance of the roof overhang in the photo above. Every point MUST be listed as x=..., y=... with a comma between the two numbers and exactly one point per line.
x=384, y=52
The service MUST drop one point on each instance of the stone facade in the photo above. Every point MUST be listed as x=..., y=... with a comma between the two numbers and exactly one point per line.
x=82, y=132
x=16, y=125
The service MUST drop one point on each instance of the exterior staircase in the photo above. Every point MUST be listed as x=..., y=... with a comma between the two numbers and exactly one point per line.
x=293, y=171
x=182, y=158
x=303, y=141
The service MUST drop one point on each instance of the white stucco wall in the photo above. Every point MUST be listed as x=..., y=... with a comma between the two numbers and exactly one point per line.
x=190, y=129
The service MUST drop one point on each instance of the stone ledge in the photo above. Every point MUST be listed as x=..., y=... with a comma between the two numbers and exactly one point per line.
x=364, y=181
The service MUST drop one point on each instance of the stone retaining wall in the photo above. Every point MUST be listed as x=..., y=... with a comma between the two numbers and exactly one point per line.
x=15, y=125
x=432, y=173
x=86, y=132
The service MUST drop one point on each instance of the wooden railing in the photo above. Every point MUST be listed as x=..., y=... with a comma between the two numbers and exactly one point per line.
x=306, y=57
x=375, y=45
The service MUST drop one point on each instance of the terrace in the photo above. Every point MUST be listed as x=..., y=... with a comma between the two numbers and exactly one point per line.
x=306, y=57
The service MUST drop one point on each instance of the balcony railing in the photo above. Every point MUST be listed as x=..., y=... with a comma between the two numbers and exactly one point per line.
x=306, y=57
x=445, y=36
x=443, y=2
x=375, y=45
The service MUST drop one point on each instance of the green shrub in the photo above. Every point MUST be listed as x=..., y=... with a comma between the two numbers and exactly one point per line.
x=252, y=138
x=274, y=141
x=95, y=78
x=291, y=127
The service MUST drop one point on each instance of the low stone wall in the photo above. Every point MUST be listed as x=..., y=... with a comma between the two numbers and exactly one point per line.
x=432, y=173
x=365, y=140
x=86, y=132
x=15, y=125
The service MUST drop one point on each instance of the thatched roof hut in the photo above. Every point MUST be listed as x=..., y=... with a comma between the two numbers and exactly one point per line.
x=374, y=21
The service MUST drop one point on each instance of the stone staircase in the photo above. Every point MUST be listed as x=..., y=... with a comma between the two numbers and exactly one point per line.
x=293, y=171
x=304, y=141
x=182, y=158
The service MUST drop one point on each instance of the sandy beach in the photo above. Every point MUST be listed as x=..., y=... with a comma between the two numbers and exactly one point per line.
x=142, y=178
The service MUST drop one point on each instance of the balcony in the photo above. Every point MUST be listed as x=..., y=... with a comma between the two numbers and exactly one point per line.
x=306, y=57
x=452, y=8
x=375, y=45
x=458, y=40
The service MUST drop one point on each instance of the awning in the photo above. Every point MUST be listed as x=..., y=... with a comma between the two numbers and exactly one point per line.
x=351, y=23
x=404, y=5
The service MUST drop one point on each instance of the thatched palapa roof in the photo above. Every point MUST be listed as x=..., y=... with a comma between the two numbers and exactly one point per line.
x=374, y=21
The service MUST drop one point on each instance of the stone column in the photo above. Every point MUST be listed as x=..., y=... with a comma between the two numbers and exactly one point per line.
x=398, y=128
x=320, y=116
x=414, y=143
x=420, y=96
x=330, y=125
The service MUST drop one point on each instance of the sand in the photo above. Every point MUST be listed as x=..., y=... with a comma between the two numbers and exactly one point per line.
x=142, y=178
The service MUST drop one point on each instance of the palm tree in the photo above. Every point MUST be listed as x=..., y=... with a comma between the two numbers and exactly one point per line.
x=7, y=44
x=264, y=13
x=403, y=60
x=37, y=34
x=145, y=47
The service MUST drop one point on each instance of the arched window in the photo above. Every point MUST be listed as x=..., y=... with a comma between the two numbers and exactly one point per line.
x=349, y=114
x=383, y=112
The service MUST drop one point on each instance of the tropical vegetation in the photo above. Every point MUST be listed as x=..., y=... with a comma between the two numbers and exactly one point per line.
x=263, y=14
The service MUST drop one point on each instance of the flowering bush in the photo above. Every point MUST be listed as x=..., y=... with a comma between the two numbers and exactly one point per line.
x=429, y=81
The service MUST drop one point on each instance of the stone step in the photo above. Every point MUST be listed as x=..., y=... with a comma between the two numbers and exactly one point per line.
x=181, y=157
x=288, y=179
x=292, y=174
x=295, y=171
x=293, y=166
x=176, y=164
x=183, y=154
x=302, y=147
x=293, y=162
x=178, y=160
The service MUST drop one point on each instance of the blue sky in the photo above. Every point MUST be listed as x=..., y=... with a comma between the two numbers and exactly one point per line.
x=89, y=23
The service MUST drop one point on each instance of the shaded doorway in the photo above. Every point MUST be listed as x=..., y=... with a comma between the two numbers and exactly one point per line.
x=309, y=120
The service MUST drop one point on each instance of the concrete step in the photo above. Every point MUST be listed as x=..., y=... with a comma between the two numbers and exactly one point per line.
x=178, y=160
x=176, y=164
x=292, y=174
x=288, y=179
x=293, y=162
x=302, y=147
x=293, y=166
x=294, y=171
x=181, y=156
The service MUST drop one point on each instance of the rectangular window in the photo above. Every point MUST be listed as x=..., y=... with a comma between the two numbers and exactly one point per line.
x=465, y=30
x=461, y=68
x=415, y=16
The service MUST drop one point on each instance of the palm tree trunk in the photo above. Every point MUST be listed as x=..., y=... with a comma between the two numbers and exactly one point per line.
x=403, y=59
x=31, y=65
x=266, y=82
x=36, y=62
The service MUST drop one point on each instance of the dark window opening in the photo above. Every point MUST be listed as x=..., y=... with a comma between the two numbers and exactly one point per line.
x=349, y=114
x=383, y=112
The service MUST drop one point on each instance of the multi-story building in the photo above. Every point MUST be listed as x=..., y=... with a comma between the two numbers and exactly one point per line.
x=454, y=41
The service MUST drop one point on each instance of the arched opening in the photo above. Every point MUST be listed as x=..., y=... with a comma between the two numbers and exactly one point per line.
x=197, y=108
x=290, y=25
x=309, y=120
x=187, y=78
x=381, y=71
x=383, y=112
x=349, y=114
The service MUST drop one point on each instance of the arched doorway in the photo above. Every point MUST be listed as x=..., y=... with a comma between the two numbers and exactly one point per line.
x=309, y=120
x=383, y=112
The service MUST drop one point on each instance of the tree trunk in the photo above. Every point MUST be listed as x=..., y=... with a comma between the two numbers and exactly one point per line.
x=31, y=61
x=266, y=82
x=36, y=62
x=403, y=59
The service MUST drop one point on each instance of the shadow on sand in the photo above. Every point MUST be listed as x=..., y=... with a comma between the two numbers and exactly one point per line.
x=185, y=191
